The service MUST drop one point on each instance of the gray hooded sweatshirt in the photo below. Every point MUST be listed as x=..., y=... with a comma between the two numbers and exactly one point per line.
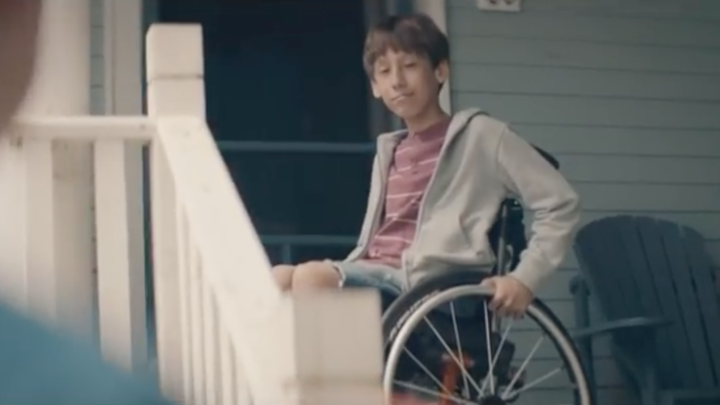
x=481, y=163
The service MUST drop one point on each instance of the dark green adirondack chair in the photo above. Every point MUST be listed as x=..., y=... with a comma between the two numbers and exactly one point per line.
x=655, y=285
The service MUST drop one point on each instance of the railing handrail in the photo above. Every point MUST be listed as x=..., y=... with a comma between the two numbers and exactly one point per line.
x=84, y=128
x=213, y=208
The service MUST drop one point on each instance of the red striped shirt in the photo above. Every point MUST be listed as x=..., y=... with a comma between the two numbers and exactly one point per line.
x=414, y=161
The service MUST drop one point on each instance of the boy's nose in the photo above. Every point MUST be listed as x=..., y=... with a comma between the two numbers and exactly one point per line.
x=398, y=80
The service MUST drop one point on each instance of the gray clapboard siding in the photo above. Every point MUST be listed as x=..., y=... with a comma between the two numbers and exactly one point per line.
x=625, y=93
x=590, y=111
x=97, y=63
x=636, y=142
x=582, y=55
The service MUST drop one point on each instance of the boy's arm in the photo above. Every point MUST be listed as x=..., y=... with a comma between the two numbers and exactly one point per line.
x=553, y=202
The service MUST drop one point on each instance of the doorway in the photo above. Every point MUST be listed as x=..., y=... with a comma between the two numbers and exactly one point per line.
x=286, y=76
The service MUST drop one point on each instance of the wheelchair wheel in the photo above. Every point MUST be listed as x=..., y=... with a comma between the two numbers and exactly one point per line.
x=443, y=344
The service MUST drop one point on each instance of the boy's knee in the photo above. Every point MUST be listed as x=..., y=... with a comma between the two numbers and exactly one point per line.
x=315, y=275
x=283, y=275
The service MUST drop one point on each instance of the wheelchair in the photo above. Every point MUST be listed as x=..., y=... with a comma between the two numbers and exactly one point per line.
x=443, y=345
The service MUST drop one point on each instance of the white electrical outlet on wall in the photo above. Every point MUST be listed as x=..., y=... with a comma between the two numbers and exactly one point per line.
x=510, y=6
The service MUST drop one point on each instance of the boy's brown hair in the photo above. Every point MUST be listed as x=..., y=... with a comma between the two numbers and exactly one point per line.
x=415, y=33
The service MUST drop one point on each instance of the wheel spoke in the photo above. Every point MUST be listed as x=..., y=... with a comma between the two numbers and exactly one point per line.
x=522, y=367
x=452, y=355
x=490, y=375
x=496, y=356
x=466, y=388
x=426, y=371
x=537, y=381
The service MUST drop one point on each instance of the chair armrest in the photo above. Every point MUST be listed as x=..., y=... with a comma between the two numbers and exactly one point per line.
x=640, y=324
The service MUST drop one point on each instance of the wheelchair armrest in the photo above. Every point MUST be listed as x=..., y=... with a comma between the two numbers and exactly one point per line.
x=640, y=324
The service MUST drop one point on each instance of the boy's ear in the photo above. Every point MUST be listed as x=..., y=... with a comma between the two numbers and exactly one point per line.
x=442, y=71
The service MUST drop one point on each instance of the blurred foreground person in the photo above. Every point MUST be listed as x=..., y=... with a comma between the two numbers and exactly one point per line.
x=38, y=367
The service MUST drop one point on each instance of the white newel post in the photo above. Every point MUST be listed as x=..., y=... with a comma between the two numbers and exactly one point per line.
x=55, y=205
x=174, y=75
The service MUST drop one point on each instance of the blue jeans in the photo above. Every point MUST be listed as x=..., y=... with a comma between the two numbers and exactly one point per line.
x=372, y=275
x=391, y=283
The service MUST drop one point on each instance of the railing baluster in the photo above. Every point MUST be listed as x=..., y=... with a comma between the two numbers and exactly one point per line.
x=211, y=345
x=167, y=277
x=242, y=388
x=183, y=248
x=40, y=279
x=227, y=367
x=196, y=326
x=120, y=275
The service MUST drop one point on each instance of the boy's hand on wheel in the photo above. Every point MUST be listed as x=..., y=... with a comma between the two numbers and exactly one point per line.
x=510, y=296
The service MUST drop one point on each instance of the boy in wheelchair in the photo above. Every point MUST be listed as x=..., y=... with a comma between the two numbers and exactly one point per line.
x=437, y=187
x=436, y=191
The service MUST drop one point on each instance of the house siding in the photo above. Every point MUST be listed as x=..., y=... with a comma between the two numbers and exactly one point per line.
x=97, y=62
x=624, y=93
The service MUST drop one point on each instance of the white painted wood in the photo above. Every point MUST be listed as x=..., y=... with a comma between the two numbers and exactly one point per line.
x=61, y=87
x=437, y=10
x=306, y=349
x=197, y=324
x=170, y=245
x=84, y=128
x=39, y=225
x=121, y=280
x=166, y=277
x=289, y=351
x=12, y=231
x=119, y=195
x=211, y=346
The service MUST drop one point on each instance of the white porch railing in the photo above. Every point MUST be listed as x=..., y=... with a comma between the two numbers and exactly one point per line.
x=225, y=334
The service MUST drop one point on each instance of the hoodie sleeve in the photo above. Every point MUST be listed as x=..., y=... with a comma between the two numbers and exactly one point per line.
x=554, y=204
x=369, y=217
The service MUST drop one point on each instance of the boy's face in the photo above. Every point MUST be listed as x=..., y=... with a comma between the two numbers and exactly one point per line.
x=407, y=82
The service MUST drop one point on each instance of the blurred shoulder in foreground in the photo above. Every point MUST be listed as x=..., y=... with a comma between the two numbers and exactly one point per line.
x=40, y=367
